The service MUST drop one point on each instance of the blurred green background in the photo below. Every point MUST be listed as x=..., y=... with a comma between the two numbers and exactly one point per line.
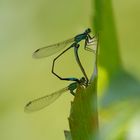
x=28, y=25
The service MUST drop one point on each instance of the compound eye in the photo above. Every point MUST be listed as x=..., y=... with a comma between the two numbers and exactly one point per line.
x=83, y=79
x=88, y=30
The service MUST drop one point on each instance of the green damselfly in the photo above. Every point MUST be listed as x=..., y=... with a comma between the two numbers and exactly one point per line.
x=54, y=48
x=44, y=101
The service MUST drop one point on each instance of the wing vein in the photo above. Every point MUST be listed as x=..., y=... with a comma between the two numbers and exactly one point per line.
x=44, y=101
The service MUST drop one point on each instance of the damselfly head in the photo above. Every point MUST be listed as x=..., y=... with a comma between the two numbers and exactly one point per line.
x=82, y=80
x=88, y=30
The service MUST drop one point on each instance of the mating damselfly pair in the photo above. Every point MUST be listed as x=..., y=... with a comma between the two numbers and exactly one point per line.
x=44, y=101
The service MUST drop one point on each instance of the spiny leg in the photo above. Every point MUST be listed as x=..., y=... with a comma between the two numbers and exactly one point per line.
x=72, y=92
x=89, y=41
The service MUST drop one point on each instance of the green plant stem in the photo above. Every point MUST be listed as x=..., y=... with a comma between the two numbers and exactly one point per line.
x=104, y=24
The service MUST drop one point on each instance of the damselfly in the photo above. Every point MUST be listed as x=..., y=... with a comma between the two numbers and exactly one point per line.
x=52, y=49
x=44, y=101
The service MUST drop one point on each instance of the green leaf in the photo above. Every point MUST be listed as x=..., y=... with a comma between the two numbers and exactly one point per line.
x=83, y=118
x=67, y=135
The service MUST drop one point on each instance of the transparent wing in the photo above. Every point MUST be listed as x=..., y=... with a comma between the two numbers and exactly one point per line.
x=51, y=49
x=44, y=101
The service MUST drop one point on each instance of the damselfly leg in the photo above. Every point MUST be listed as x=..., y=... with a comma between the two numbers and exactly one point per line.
x=91, y=41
